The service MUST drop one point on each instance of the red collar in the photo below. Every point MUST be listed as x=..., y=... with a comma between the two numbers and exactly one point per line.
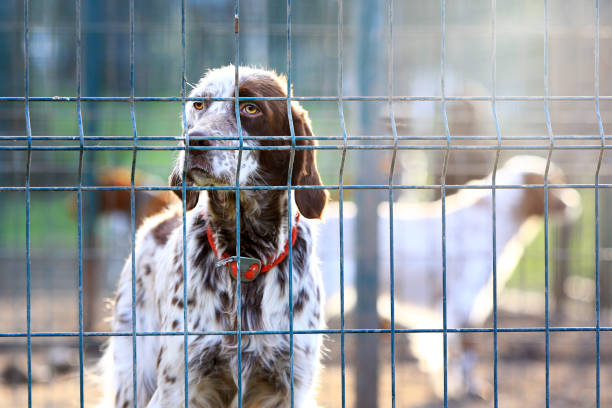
x=250, y=267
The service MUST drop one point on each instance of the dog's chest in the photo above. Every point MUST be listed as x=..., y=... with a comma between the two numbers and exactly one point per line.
x=212, y=305
x=212, y=301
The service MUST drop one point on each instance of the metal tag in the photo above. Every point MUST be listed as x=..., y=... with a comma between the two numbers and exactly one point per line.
x=249, y=267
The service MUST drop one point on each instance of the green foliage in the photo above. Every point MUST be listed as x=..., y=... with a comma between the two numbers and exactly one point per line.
x=53, y=221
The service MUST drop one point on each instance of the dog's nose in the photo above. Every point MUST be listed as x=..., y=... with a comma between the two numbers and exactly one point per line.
x=199, y=138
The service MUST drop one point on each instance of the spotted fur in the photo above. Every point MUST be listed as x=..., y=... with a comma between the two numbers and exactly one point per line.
x=211, y=301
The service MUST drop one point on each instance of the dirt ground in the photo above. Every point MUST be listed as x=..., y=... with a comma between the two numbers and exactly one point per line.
x=521, y=377
x=521, y=370
x=521, y=386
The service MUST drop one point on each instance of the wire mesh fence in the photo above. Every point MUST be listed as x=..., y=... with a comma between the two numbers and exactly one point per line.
x=80, y=170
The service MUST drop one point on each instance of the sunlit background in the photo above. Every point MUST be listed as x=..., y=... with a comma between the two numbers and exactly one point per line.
x=315, y=71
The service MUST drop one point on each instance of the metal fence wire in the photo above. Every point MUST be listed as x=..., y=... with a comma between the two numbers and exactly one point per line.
x=369, y=187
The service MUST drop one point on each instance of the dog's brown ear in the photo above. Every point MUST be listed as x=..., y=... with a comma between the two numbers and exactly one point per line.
x=310, y=202
x=533, y=203
x=176, y=180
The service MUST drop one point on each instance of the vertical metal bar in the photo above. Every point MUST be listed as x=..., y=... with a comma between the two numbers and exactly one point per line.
x=289, y=203
x=443, y=198
x=369, y=53
x=184, y=213
x=391, y=172
x=493, y=192
x=26, y=74
x=546, y=232
x=597, y=171
x=133, y=207
x=341, y=189
x=94, y=78
x=80, y=194
x=241, y=144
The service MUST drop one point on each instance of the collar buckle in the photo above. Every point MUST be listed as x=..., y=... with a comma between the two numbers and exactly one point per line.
x=250, y=268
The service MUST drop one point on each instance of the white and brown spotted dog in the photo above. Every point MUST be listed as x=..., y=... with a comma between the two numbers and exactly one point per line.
x=211, y=289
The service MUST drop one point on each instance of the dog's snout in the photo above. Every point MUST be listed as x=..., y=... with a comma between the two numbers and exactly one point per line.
x=199, y=138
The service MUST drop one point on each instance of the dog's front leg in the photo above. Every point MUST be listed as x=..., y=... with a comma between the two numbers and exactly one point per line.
x=169, y=394
x=170, y=390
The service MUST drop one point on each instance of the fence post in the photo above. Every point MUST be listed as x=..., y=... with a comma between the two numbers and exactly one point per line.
x=369, y=53
x=94, y=78
x=256, y=44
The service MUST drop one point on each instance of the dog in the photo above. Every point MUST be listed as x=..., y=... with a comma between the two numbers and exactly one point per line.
x=212, y=273
x=417, y=249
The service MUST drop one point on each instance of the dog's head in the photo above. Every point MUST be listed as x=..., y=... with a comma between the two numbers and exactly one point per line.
x=210, y=123
x=562, y=202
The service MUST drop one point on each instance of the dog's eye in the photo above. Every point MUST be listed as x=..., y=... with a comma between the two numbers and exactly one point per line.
x=250, y=109
x=198, y=105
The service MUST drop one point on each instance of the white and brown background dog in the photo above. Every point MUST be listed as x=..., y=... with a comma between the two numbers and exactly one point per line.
x=211, y=300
